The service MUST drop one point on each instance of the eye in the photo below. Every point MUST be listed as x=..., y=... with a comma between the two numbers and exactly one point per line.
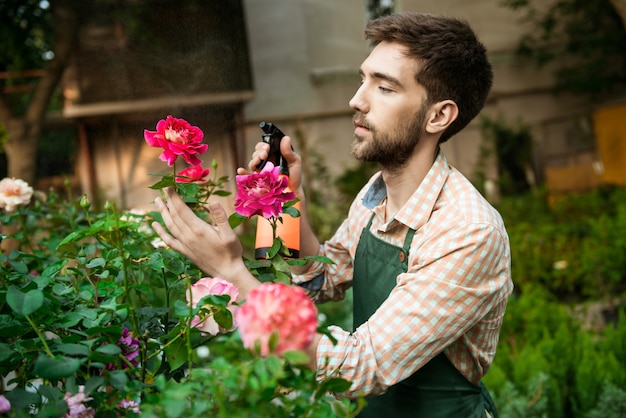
x=384, y=89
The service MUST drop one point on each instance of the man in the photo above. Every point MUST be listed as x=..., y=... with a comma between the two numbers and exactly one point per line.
x=428, y=258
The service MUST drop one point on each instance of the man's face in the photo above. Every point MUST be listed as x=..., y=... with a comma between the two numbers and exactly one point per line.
x=389, y=105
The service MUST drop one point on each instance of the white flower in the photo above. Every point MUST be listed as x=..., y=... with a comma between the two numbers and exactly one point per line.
x=14, y=192
x=560, y=265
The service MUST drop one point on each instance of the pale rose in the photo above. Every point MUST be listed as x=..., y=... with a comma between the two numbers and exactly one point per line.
x=177, y=137
x=195, y=174
x=128, y=406
x=275, y=308
x=5, y=405
x=76, y=405
x=211, y=286
x=262, y=193
x=14, y=192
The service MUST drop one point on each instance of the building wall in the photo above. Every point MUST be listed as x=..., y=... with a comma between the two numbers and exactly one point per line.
x=305, y=55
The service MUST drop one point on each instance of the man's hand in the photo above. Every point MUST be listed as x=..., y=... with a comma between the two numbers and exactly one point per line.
x=215, y=249
x=294, y=161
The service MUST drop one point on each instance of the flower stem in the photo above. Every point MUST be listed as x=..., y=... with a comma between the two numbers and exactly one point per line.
x=40, y=335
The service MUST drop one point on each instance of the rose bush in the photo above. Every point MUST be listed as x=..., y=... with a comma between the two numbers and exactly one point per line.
x=95, y=318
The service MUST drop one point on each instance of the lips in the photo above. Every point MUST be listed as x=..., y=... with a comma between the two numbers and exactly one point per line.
x=360, y=126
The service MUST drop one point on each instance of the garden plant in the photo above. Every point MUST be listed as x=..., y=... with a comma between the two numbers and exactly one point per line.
x=99, y=318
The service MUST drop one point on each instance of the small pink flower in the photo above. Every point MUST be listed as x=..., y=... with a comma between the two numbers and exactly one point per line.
x=130, y=349
x=5, y=405
x=127, y=406
x=14, y=192
x=177, y=137
x=262, y=193
x=195, y=174
x=275, y=308
x=129, y=346
x=76, y=404
x=211, y=286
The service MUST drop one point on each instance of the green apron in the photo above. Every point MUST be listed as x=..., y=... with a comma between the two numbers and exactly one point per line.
x=438, y=389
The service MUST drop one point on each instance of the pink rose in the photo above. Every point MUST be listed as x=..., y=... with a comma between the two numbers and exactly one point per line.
x=5, y=405
x=130, y=349
x=76, y=406
x=177, y=137
x=211, y=286
x=281, y=310
x=14, y=192
x=195, y=174
x=262, y=193
x=128, y=406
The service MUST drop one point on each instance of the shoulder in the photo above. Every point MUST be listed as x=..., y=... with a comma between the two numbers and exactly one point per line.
x=461, y=202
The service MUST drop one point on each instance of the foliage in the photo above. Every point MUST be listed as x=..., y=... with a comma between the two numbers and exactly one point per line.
x=547, y=365
x=585, y=39
x=26, y=32
x=80, y=277
x=574, y=247
x=511, y=147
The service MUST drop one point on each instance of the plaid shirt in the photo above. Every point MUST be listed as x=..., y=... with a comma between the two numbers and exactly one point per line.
x=451, y=299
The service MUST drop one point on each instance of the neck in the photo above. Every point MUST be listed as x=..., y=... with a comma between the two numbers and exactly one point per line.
x=402, y=182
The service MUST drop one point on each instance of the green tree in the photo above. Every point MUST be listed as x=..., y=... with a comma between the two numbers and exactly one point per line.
x=585, y=40
x=37, y=35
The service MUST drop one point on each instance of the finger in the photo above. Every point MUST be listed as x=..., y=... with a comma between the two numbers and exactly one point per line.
x=182, y=217
x=242, y=171
x=286, y=149
x=261, y=152
x=169, y=240
x=164, y=209
x=219, y=216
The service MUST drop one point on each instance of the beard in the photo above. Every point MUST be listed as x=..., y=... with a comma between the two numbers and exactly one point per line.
x=391, y=149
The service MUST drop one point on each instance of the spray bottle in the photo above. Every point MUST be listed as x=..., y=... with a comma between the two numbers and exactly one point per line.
x=289, y=229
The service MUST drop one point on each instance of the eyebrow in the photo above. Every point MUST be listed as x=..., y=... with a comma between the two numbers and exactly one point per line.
x=383, y=76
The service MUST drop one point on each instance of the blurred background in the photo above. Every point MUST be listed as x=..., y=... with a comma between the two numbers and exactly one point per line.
x=81, y=80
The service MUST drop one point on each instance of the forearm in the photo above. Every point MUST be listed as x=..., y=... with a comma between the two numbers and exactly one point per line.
x=309, y=244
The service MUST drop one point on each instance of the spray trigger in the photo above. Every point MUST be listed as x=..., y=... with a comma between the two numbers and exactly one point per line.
x=272, y=136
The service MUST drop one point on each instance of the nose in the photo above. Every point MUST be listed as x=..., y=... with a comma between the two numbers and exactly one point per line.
x=358, y=101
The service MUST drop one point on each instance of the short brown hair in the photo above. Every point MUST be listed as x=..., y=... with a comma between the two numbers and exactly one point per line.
x=454, y=62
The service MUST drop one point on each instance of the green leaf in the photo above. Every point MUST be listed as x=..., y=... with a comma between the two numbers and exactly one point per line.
x=55, y=368
x=74, y=236
x=166, y=181
x=291, y=211
x=236, y=219
x=24, y=303
x=335, y=385
x=176, y=354
x=296, y=357
x=54, y=268
x=5, y=352
x=118, y=379
x=224, y=318
x=276, y=247
x=174, y=265
x=73, y=349
x=96, y=262
x=19, y=266
x=109, y=349
x=10, y=327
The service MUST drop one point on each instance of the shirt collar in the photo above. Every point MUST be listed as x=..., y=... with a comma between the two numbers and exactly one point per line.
x=417, y=210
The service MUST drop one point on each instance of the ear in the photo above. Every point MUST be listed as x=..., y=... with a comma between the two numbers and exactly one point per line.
x=441, y=115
